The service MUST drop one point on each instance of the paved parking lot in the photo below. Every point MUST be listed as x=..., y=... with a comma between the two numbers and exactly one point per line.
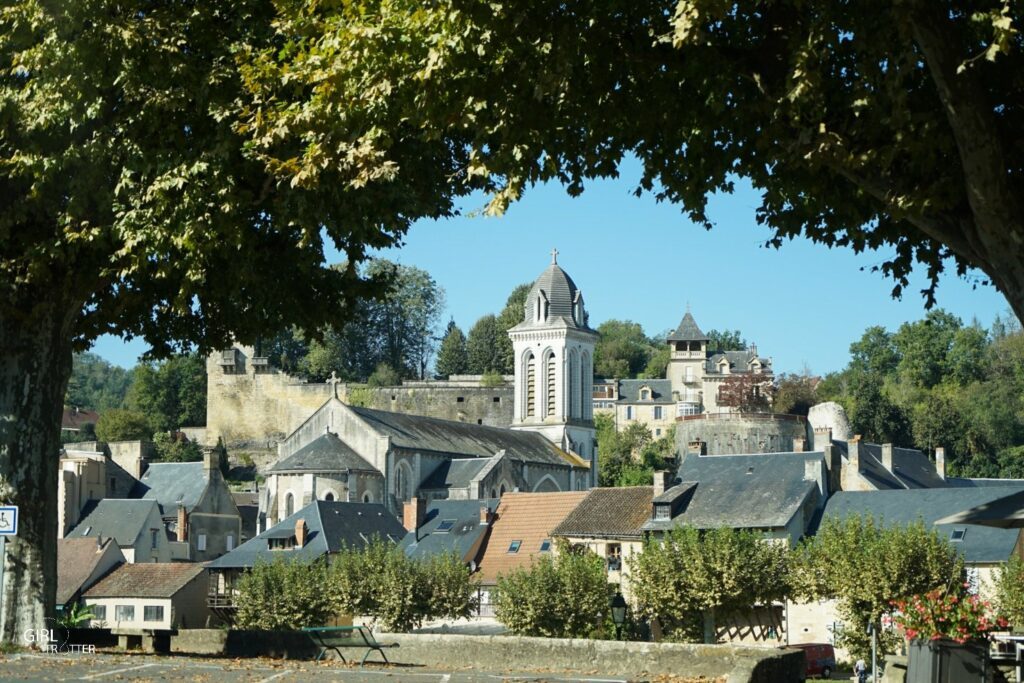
x=120, y=667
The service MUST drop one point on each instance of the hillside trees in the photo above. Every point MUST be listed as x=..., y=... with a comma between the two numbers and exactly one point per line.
x=96, y=384
x=171, y=393
x=452, y=358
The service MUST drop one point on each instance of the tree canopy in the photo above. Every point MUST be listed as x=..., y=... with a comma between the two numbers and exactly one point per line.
x=888, y=127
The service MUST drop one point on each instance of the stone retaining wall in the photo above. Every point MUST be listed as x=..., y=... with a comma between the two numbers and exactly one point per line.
x=503, y=653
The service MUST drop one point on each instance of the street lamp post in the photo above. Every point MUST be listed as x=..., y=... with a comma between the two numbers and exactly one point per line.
x=618, y=605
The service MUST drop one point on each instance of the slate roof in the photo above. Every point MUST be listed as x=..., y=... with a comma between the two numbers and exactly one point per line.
x=146, y=580
x=454, y=474
x=74, y=418
x=529, y=518
x=330, y=526
x=762, y=491
x=912, y=469
x=661, y=390
x=738, y=361
x=980, y=544
x=964, y=482
x=416, y=432
x=687, y=330
x=76, y=561
x=465, y=533
x=561, y=293
x=326, y=453
x=618, y=512
x=121, y=519
x=172, y=484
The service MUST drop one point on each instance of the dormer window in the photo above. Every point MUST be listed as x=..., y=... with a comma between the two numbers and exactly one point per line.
x=645, y=394
x=281, y=543
x=723, y=367
x=663, y=511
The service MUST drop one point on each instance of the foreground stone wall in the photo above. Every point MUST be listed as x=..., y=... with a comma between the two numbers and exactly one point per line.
x=735, y=434
x=501, y=653
x=252, y=408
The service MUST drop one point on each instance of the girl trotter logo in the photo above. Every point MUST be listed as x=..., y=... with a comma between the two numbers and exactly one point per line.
x=54, y=640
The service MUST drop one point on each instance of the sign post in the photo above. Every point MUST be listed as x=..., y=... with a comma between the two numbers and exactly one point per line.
x=8, y=527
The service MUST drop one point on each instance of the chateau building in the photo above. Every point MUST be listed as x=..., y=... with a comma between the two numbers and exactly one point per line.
x=692, y=385
x=344, y=452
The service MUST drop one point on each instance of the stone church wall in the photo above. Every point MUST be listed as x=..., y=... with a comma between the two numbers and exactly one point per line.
x=252, y=408
x=735, y=434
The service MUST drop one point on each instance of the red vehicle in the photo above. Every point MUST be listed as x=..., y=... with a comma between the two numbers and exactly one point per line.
x=821, y=659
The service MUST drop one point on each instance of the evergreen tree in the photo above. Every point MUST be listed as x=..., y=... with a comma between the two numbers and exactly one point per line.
x=483, y=346
x=510, y=316
x=452, y=358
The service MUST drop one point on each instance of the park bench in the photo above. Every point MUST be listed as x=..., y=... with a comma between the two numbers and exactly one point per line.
x=336, y=637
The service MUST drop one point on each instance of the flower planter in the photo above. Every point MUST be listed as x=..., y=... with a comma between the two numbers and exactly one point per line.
x=947, y=661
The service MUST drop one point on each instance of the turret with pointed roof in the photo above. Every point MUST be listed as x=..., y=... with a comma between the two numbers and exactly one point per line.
x=687, y=331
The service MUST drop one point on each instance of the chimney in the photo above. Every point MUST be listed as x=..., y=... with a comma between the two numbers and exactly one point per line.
x=485, y=515
x=813, y=472
x=182, y=524
x=661, y=482
x=799, y=444
x=822, y=438
x=300, y=533
x=940, y=462
x=887, y=456
x=210, y=459
x=413, y=514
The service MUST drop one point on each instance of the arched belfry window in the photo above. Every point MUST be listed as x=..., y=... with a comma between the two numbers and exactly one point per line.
x=403, y=482
x=586, y=385
x=530, y=377
x=549, y=384
x=574, y=384
x=289, y=505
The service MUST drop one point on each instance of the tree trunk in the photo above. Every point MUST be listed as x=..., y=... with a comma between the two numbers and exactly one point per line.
x=35, y=365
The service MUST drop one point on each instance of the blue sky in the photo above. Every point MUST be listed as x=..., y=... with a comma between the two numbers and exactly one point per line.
x=636, y=259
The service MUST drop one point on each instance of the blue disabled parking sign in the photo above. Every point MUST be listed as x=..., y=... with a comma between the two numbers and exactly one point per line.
x=8, y=520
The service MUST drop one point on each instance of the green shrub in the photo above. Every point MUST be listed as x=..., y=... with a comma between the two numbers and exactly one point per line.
x=561, y=596
x=1010, y=592
x=284, y=595
x=123, y=425
x=491, y=379
x=170, y=449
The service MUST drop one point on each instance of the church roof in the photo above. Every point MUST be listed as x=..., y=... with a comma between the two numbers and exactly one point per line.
x=454, y=474
x=326, y=453
x=416, y=432
x=172, y=484
x=555, y=287
x=687, y=330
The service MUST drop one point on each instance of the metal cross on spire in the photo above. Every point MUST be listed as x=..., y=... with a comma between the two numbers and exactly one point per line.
x=554, y=256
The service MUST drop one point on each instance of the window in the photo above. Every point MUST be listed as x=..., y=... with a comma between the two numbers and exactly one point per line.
x=545, y=545
x=201, y=542
x=689, y=374
x=367, y=498
x=957, y=535
x=99, y=612
x=446, y=525
x=124, y=613
x=460, y=399
x=153, y=539
x=289, y=505
x=614, y=556
x=329, y=497
x=644, y=394
x=629, y=412
x=230, y=543
x=657, y=432
x=657, y=412
x=153, y=613
x=513, y=547
x=662, y=512
x=496, y=399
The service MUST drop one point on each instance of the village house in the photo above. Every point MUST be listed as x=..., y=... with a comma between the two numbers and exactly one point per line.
x=91, y=471
x=984, y=549
x=610, y=523
x=521, y=531
x=81, y=562
x=150, y=596
x=196, y=507
x=135, y=525
x=439, y=527
x=318, y=530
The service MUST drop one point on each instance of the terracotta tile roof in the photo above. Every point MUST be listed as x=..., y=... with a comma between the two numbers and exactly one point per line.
x=528, y=518
x=609, y=513
x=76, y=560
x=147, y=580
x=74, y=418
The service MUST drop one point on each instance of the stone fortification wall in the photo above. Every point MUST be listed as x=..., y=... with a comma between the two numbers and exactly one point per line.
x=253, y=407
x=737, y=433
